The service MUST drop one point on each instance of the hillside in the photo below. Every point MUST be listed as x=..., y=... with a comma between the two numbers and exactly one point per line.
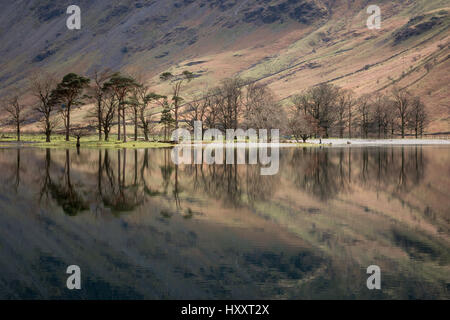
x=290, y=44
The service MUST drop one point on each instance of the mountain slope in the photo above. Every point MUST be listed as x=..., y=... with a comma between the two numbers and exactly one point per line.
x=288, y=43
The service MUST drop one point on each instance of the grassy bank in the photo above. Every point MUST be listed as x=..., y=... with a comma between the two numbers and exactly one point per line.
x=58, y=141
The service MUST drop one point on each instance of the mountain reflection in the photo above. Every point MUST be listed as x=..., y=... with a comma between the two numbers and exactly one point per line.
x=225, y=231
x=126, y=178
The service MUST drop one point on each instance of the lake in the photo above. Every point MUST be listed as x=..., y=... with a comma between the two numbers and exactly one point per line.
x=140, y=227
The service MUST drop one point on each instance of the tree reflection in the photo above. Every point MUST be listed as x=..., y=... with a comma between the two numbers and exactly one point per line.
x=117, y=194
x=17, y=171
x=166, y=171
x=65, y=194
x=234, y=185
x=46, y=180
x=145, y=171
x=14, y=169
x=325, y=173
x=315, y=173
x=316, y=245
x=123, y=181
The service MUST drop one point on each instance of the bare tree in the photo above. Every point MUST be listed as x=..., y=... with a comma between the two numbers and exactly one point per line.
x=108, y=109
x=42, y=85
x=211, y=111
x=197, y=111
x=344, y=111
x=300, y=102
x=402, y=104
x=351, y=115
x=418, y=117
x=15, y=111
x=261, y=110
x=382, y=114
x=97, y=90
x=391, y=117
x=228, y=101
x=302, y=126
x=364, y=114
x=319, y=102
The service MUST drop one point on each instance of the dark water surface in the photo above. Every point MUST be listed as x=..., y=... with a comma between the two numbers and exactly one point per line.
x=140, y=227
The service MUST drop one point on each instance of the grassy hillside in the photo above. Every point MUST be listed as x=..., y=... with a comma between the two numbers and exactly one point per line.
x=292, y=45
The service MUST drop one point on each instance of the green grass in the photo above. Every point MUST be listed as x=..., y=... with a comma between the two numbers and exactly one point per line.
x=307, y=144
x=58, y=141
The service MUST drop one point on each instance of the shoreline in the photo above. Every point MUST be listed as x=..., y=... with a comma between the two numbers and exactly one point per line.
x=381, y=142
x=72, y=145
x=92, y=142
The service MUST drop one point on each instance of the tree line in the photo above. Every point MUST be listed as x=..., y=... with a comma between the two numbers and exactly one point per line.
x=328, y=109
x=116, y=97
x=321, y=111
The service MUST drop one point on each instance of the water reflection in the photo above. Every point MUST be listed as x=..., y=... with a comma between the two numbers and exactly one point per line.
x=327, y=174
x=142, y=227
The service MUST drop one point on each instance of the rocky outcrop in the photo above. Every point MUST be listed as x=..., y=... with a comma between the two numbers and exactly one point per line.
x=417, y=26
x=306, y=12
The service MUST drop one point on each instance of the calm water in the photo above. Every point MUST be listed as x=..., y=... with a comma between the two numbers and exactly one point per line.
x=140, y=227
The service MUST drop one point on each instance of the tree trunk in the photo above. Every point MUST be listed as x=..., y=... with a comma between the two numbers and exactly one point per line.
x=100, y=173
x=99, y=119
x=47, y=131
x=68, y=123
x=18, y=131
x=124, y=126
x=118, y=124
x=349, y=122
x=146, y=131
x=235, y=117
x=135, y=125
x=176, y=114
x=403, y=128
x=350, y=129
